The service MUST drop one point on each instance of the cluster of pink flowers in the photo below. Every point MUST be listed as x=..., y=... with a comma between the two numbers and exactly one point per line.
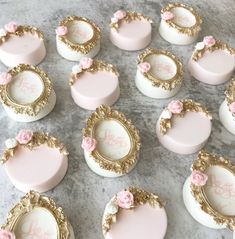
x=89, y=144
x=175, y=106
x=24, y=136
x=125, y=199
x=118, y=15
x=144, y=67
x=198, y=178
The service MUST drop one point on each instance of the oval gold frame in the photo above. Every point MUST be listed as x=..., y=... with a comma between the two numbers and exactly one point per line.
x=165, y=84
x=202, y=163
x=34, y=200
x=124, y=164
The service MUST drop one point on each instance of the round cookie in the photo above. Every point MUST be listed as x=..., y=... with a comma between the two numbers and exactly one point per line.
x=184, y=126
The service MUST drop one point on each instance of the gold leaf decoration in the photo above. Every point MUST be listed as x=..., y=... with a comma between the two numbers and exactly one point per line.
x=230, y=93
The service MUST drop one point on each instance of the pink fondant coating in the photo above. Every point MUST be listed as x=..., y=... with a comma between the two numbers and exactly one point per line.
x=132, y=36
x=28, y=49
x=213, y=68
x=93, y=89
x=40, y=169
x=139, y=223
x=188, y=134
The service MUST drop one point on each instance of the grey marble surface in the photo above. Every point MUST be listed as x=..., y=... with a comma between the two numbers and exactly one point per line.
x=82, y=193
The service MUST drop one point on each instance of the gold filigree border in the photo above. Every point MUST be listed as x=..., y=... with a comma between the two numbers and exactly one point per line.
x=34, y=108
x=87, y=46
x=219, y=45
x=20, y=31
x=188, y=106
x=130, y=16
x=124, y=164
x=140, y=197
x=202, y=163
x=165, y=84
x=96, y=66
x=38, y=139
x=191, y=31
x=32, y=200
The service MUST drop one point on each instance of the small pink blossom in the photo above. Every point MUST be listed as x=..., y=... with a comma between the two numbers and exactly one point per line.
x=5, y=234
x=114, y=20
x=89, y=144
x=209, y=41
x=144, y=67
x=11, y=27
x=61, y=30
x=24, y=136
x=167, y=15
x=5, y=78
x=198, y=178
x=85, y=63
x=232, y=107
x=125, y=199
x=120, y=14
x=175, y=106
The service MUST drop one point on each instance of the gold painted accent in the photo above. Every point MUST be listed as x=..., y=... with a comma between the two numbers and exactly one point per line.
x=130, y=16
x=87, y=46
x=219, y=45
x=141, y=197
x=230, y=93
x=38, y=139
x=188, y=106
x=202, y=163
x=35, y=107
x=96, y=66
x=191, y=31
x=124, y=164
x=21, y=30
x=165, y=84
x=34, y=200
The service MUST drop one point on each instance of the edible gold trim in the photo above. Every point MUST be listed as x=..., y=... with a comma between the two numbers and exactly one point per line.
x=124, y=164
x=38, y=139
x=165, y=84
x=96, y=66
x=84, y=47
x=140, y=197
x=191, y=31
x=130, y=16
x=219, y=45
x=31, y=109
x=34, y=200
x=202, y=163
x=188, y=106
x=230, y=93
x=20, y=31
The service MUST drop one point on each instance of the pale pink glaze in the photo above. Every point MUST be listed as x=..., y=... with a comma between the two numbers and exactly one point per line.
x=40, y=169
x=213, y=68
x=132, y=36
x=188, y=134
x=93, y=89
x=28, y=49
x=140, y=223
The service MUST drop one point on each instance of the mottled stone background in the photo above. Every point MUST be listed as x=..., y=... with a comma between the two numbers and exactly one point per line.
x=82, y=193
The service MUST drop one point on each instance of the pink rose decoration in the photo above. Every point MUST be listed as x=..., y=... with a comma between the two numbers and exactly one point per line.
x=125, y=199
x=198, y=178
x=11, y=27
x=85, y=63
x=5, y=78
x=89, y=144
x=167, y=15
x=144, y=67
x=5, y=234
x=120, y=14
x=24, y=136
x=175, y=106
x=61, y=30
x=232, y=107
x=209, y=41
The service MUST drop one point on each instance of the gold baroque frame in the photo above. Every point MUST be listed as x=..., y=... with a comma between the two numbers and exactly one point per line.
x=122, y=165
x=230, y=93
x=87, y=46
x=33, y=108
x=202, y=163
x=32, y=200
x=191, y=31
x=165, y=84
